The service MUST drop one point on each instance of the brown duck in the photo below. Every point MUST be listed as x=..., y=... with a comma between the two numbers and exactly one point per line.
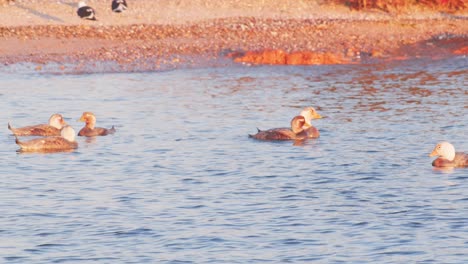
x=447, y=157
x=89, y=130
x=66, y=141
x=296, y=132
x=53, y=128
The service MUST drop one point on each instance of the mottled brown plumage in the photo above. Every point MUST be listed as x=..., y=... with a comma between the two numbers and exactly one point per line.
x=312, y=132
x=53, y=128
x=66, y=141
x=296, y=131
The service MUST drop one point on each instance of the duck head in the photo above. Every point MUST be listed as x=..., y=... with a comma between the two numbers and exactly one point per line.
x=89, y=119
x=56, y=120
x=297, y=124
x=444, y=150
x=309, y=113
x=68, y=133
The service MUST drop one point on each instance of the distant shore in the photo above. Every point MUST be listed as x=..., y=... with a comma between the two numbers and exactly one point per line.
x=153, y=34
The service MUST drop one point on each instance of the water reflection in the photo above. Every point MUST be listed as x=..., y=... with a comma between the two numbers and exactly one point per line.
x=444, y=170
x=90, y=140
x=20, y=151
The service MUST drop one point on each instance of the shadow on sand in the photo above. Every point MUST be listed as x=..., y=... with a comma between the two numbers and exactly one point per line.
x=39, y=14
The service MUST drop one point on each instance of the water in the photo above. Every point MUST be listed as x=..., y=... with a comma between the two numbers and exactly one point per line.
x=180, y=181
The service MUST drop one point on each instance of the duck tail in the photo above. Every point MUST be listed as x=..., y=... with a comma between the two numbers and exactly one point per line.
x=112, y=130
x=12, y=129
x=17, y=141
x=254, y=136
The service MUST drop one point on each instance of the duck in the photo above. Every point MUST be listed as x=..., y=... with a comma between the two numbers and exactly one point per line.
x=55, y=124
x=310, y=113
x=89, y=130
x=66, y=141
x=119, y=6
x=447, y=157
x=296, y=132
x=85, y=12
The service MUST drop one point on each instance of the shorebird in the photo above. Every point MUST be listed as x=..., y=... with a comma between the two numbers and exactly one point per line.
x=119, y=6
x=86, y=12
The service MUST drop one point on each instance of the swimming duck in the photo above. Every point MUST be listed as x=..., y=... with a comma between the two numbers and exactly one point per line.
x=296, y=132
x=56, y=123
x=89, y=130
x=66, y=141
x=447, y=156
x=309, y=113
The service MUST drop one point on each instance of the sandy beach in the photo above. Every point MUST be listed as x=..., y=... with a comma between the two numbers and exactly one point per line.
x=151, y=34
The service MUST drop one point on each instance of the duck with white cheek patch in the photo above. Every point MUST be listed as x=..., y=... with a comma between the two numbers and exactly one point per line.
x=447, y=157
x=52, y=128
x=90, y=129
x=64, y=142
x=310, y=113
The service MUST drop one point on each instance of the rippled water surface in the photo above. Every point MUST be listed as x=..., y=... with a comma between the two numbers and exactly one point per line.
x=180, y=181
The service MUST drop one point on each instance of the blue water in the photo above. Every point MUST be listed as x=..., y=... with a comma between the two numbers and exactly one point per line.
x=180, y=181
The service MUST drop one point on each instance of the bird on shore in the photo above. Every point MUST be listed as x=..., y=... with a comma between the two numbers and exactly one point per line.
x=447, y=157
x=119, y=6
x=52, y=128
x=66, y=141
x=90, y=129
x=309, y=113
x=86, y=12
x=296, y=132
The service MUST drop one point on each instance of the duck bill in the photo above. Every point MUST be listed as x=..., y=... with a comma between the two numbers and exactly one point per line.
x=317, y=116
x=81, y=119
x=433, y=153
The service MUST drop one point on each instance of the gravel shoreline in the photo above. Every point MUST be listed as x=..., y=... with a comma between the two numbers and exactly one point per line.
x=152, y=46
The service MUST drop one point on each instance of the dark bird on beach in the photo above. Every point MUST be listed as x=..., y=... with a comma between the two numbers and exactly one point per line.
x=86, y=12
x=119, y=6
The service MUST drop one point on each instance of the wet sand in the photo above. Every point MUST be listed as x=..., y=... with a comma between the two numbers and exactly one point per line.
x=154, y=34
